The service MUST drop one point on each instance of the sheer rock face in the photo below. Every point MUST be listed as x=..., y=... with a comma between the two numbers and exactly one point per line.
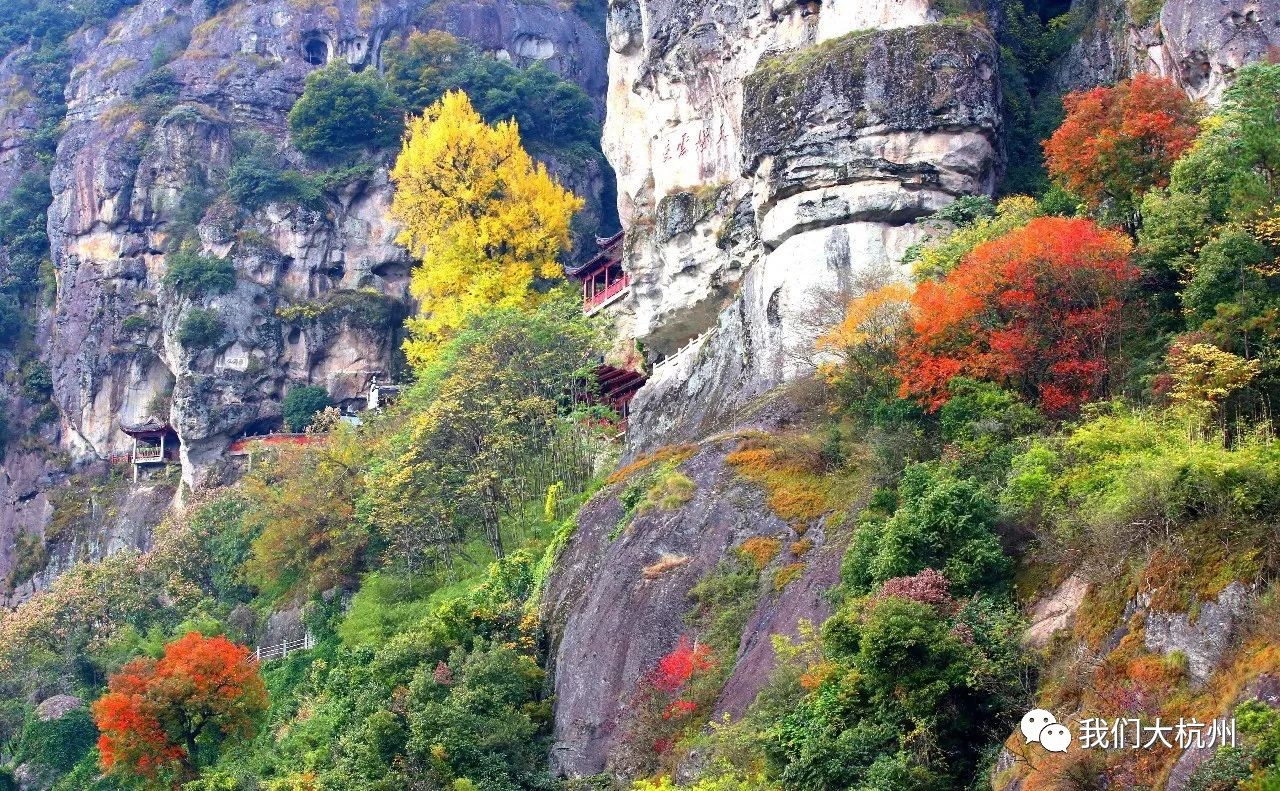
x=766, y=153
x=126, y=183
x=612, y=616
x=1197, y=43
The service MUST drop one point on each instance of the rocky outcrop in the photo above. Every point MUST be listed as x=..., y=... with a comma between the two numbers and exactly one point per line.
x=786, y=155
x=1204, y=638
x=604, y=584
x=19, y=117
x=1055, y=612
x=156, y=103
x=1196, y=43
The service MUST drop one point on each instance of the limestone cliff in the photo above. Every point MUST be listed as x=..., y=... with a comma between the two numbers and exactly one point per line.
x=320, y=289
x=1197, y=44
x=781, y=153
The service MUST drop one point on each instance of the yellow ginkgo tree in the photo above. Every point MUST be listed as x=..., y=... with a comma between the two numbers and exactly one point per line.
x=486, y=221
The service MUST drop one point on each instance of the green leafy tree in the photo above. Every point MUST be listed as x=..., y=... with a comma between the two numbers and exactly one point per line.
x=300, y=510
x=912, y=690
x=548, y=109
x=488, y=437
x=301, y=405
x=483, y=725
x=341, y=112
x=942, y=522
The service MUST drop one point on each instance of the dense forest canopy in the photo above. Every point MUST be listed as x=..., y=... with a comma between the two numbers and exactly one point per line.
x=1066, y=386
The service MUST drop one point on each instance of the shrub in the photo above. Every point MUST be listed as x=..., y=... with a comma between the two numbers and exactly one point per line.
x=58, y=745
x=1124, y=469
x=364, y=308
x=912, y=695
x=759, y=551
x=302, y=403
x=942, y=522
x=975, y=223
x=257, y=177
x=983, y=424
x=137, y=322
x=201, y=329
x=37, y=380
x=670, y=490
x=341, y=111
x=1038, y=309
x=192, y=275
x=10, y=320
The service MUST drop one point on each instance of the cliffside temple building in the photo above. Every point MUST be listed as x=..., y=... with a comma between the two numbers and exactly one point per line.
x=154, y=443
x=604, y=281
x=606, y=284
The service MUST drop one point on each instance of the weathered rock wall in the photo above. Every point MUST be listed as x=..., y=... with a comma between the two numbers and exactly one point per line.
x=1196, y=43
x=611, y=617
x=125, y=184
x=765, y=154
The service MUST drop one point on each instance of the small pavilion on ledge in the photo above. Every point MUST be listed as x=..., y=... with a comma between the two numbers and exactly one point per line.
x=154, y=442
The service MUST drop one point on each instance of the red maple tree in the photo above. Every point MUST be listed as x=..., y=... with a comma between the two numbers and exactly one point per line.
x=1118, y=142
x=676, y=668
x=159, y=713
x=1037, y=310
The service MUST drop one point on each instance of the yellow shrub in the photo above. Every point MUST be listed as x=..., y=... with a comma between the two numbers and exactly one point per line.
x=759, y=551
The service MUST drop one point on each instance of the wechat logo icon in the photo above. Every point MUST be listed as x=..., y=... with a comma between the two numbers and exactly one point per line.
x=1039, y=725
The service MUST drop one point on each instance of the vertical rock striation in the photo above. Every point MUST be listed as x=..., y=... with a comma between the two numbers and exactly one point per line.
x=765, y=151
x=321, y=288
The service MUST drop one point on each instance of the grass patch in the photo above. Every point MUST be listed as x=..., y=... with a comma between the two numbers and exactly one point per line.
x=669, y=455
x=759, y=551
x=793, y=472
x=669, y=491
x=667, y=562
x=787, y=575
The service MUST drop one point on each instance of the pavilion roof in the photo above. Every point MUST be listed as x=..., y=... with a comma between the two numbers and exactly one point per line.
x=148, y=428
x=610, y=253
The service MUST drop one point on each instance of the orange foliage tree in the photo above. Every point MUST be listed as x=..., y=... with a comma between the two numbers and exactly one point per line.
x=1116, y=143
x=1037, y=309
x=159, y=715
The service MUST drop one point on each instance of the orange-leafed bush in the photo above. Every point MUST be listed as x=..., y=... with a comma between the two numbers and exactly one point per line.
x=759, y=551
x=796, y=491
x=787, y=575
x=1118, y=142
x=159, y=713
x=671, y=454
x=1037, y=310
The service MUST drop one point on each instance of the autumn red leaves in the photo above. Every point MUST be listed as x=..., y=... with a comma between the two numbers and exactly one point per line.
x=160, y=714
x=1039, y=309
x=1116, y=143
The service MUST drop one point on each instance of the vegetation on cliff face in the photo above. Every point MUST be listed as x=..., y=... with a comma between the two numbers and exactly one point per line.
x=1152, y=484
x=414, y=548
x=1057, y=399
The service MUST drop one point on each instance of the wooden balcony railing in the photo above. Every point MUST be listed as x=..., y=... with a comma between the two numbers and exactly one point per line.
x=148, y=453
x=606, y=295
